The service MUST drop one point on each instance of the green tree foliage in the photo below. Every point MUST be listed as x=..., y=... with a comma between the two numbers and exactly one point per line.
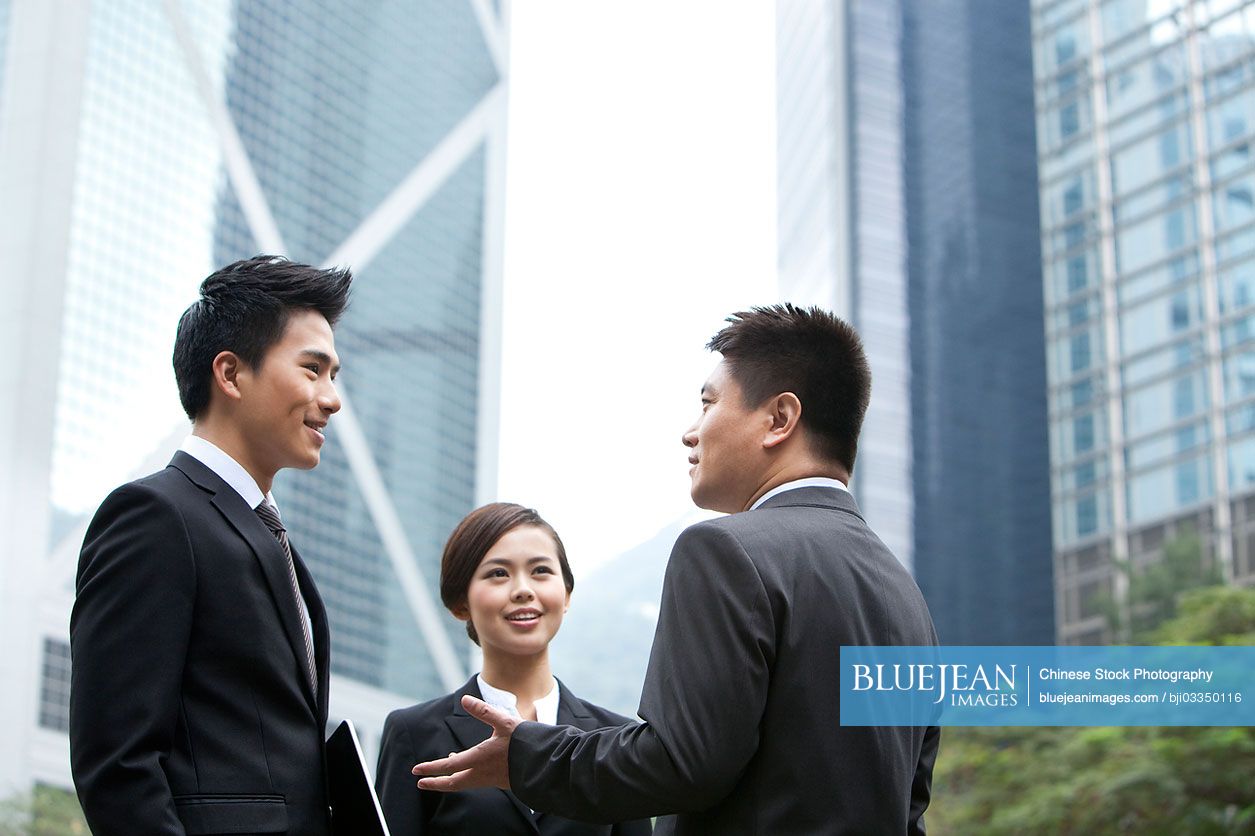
x=47, y=811
x=1154, y=591
x=1186, y=780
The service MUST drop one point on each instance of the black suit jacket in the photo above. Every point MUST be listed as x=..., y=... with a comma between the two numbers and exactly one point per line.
x=436, y=728
x=742, y=694
x=190, y=708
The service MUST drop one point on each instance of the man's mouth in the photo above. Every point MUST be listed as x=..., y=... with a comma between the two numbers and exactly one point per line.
x=319, y=428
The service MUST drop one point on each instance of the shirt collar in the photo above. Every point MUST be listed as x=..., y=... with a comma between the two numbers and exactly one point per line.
x=808, y=482
x=227, y=468
x=546, y=706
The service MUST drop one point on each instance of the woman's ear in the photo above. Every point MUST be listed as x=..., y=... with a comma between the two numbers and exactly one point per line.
x=461, y=612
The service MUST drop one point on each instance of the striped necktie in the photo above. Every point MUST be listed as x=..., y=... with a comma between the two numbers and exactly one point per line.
x=270, y=517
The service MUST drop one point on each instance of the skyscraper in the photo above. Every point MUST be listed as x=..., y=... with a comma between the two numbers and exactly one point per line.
x=142, y=145
x=1145, y=117
x=842, y=219
x=908, y=204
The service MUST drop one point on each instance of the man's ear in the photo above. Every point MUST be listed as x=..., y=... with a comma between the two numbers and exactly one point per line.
x=227, y=367
x=786, y=412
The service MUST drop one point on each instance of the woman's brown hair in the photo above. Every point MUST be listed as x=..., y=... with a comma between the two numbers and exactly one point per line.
x=478, y=532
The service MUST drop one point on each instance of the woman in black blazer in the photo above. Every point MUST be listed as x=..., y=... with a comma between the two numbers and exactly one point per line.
x=505, y=573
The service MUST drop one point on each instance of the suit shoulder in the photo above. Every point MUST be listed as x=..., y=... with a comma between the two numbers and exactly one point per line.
x=606, y=717
x=159, y=489
x=422, y=714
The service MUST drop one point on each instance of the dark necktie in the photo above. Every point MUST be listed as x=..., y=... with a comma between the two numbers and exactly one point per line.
x=271, y=518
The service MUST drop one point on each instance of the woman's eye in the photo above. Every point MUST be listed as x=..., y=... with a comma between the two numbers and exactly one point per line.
x=543, y=570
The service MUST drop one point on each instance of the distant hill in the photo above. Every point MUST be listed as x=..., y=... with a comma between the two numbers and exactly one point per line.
x=603, y=647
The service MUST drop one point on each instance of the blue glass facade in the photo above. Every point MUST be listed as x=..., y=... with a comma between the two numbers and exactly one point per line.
x=978, y=381
x=334, y=110
x=908, y=204
x=161, y=140
x=1145, y=118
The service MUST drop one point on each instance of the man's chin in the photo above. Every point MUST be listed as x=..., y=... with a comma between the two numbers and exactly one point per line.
x=308, y=462
x=706, y=502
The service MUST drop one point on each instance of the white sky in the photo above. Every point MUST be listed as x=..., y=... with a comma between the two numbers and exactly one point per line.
x=640, y=210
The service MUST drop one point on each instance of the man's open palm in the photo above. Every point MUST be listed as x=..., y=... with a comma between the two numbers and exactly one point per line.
x=485, y=765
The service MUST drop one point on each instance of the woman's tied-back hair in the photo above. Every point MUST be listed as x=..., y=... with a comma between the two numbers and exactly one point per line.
x=474, y=537
x=811, y=353
x=244, y=308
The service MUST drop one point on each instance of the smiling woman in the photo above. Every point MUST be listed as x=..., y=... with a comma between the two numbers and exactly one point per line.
x=505, y=573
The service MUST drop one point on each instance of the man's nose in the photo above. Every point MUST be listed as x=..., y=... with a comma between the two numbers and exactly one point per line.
x=689, y=439
x=329, y=399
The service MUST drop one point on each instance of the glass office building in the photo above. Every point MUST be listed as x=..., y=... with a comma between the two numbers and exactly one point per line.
x=1145, y=124
x=907, y=204
x=171, y=138
x=980, y=459
x=842, y=219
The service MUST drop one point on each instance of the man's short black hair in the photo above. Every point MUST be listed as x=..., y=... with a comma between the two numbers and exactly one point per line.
x=244, y=308
x=811, y=353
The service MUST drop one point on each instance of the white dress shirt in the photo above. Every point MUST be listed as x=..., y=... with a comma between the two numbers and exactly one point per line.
x=546, y=706
x=233, y=473
x=809, y=482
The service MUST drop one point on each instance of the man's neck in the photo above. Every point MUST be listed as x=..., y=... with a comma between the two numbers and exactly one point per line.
x=792, y=472
x=228, y=440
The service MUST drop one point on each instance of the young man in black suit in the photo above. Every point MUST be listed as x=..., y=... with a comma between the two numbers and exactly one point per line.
x=198, y=697
x=742, y=731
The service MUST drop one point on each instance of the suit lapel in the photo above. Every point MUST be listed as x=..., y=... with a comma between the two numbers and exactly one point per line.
x=468, y=731
x=274, y=566
x=572, y=712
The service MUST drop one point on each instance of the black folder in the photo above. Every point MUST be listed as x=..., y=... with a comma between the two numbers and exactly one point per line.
x=355, y=808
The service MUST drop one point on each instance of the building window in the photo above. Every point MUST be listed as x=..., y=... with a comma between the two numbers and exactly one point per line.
x=1083, y=433
x=1081, y=357
x=54, y=688
x=1069, y=120
x=1086, y=515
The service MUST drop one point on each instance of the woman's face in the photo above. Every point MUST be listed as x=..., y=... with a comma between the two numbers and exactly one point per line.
x=517, y=598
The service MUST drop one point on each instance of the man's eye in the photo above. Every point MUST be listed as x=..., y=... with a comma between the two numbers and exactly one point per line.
x=313, y=367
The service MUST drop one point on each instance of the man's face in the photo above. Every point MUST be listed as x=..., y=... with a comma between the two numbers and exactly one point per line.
x=726, y=446
x=287, y=400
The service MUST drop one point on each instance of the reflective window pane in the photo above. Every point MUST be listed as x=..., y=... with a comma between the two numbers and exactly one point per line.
x=1161, y=404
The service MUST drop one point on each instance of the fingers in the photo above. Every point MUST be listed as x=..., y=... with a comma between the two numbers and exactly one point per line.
x=445, y=766
x=502, y=722
x=482, y=710
x=450, y=783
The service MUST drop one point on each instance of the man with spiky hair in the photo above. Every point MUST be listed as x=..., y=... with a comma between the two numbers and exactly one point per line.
x=200, y=648
x=741, y=702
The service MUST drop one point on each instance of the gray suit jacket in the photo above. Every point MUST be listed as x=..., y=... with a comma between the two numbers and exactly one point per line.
x=742, y=731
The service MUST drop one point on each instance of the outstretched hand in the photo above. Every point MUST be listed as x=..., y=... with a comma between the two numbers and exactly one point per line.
x=485, y=765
